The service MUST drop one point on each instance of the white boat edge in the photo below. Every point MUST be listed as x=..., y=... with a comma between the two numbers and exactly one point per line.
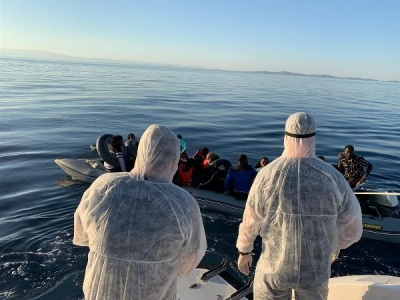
x=352, y=287
x=358, y=287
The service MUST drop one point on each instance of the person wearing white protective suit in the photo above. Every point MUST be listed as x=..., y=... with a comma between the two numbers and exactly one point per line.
x=305, y=212
x=142, y=231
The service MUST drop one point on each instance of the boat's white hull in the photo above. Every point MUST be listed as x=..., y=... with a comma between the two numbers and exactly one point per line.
x=371, y=287
x=353, y=287
x=80, y=169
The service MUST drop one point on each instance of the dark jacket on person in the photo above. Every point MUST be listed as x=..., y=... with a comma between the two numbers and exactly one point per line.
x=216, y=174
x=240, y=178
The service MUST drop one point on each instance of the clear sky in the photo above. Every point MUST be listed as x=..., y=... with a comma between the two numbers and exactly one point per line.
x=340, y=38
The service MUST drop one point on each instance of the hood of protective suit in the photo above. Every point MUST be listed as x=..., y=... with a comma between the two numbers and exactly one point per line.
x=158, y=154
x=299, y=136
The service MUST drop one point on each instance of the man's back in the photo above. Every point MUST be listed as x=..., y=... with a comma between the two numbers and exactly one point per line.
x=300, y=217
x=304, y=210
x=140, y=237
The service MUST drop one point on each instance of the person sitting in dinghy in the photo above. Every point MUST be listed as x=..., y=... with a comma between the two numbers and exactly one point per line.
x=216, y=174
x=118, y=148
x=352, y=166
x=131, y=144
x=205, y=172
x=240, y=178
x=184, y=173
x=184, y=156
x=262, y=163
x=198, y=159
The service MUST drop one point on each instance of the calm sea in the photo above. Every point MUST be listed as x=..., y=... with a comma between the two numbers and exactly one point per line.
x=51, y=109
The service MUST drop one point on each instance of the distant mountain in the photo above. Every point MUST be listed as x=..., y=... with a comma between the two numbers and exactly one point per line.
x=41, y=54
x=313, y=75
x=38, y=54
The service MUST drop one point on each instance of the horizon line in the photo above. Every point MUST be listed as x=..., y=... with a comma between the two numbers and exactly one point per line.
x=67, y=57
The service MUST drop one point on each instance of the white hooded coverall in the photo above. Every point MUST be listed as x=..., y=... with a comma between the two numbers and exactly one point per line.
x=304, y=210
x=142, y=230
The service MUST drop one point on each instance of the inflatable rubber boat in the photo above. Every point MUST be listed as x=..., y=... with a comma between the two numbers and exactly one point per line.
x=381, y=217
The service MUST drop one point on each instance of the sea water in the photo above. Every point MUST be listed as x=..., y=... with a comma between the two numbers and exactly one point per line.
x=51, y=109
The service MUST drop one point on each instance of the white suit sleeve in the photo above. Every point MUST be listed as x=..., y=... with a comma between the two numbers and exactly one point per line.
x=349, y=220
x=90, y=195
x=80, y=236
x=195, y=246
x=251, y=223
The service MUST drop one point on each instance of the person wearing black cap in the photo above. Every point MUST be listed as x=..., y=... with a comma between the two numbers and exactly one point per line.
x=305, y=212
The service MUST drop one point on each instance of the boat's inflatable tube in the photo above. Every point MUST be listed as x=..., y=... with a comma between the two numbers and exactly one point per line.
x=102, y=145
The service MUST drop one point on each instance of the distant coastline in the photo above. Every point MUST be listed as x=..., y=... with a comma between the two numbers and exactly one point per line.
x=45, y=55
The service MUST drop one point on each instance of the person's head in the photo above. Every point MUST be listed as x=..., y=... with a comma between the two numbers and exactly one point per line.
x=264, y=161
x=211, y=156
x=131, y=136
x=158, y=154
x=242, y=159
x=204, y=151
x=349, y=151
x=321, y=157
x=299, y=136
x=117, y=142
x=179, y=136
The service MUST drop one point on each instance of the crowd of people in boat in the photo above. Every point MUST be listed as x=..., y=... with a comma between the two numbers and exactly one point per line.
x=206, y=170
x=143, y=231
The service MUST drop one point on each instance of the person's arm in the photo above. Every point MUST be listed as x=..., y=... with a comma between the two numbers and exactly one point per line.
x=121, y=160
x=366, y=164
x=250, y=226
x=249, y=229
x=340, y=165
x=349, y=220
x=80, y=237
x=195, y=246
x=89, y=199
